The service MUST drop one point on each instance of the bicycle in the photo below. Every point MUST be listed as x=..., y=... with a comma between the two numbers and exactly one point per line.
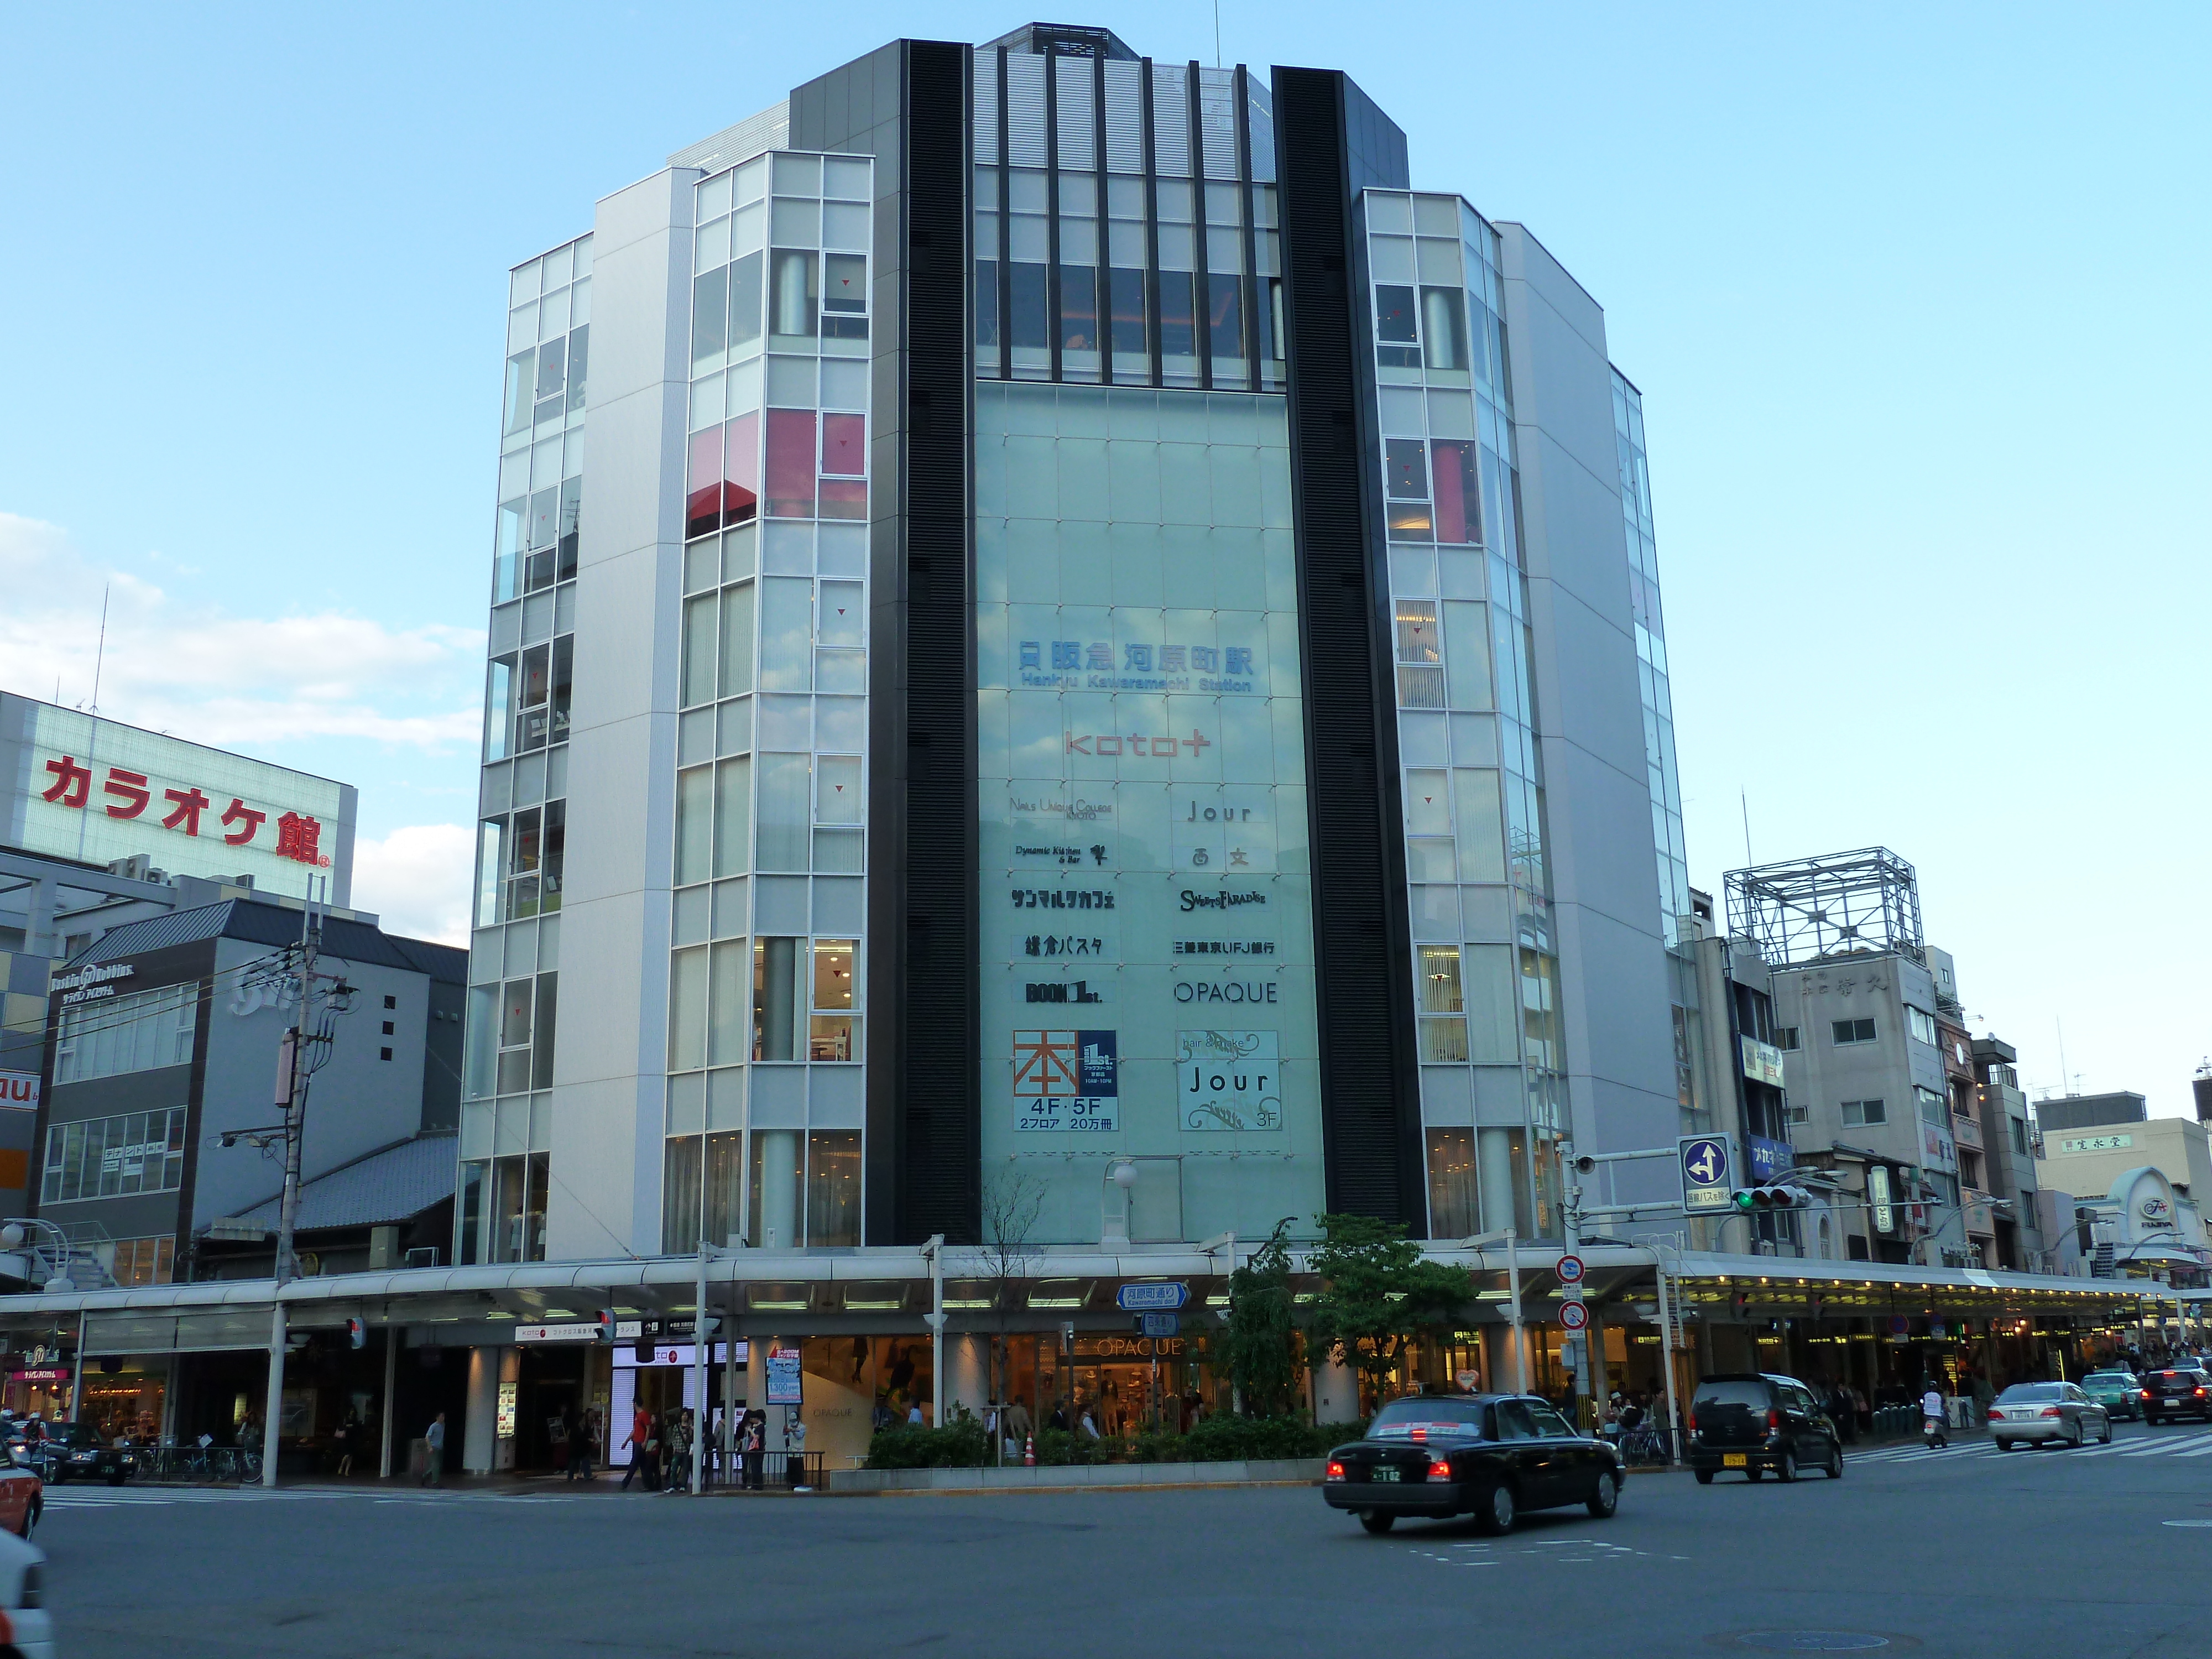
x=1642, y=1444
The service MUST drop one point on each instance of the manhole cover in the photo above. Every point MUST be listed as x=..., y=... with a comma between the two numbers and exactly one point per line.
x=1812, y=1641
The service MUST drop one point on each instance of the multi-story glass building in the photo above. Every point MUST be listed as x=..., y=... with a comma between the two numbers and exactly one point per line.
x=1094, y=661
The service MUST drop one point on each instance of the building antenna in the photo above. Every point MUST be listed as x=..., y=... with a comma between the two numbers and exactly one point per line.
x=1217, y=34
x=2065, y=1078
x=99, y=655
x=1745, y=798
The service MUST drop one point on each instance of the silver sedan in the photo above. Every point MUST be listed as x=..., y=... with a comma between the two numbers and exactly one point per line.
x=2027, y=1413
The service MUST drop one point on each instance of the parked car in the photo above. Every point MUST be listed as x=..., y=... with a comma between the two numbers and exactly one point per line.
x=2030, y=1412
x=22, y=1496
x=2180, y=1392
x=27, y=1630
x=1489, y=1455
x=2119, y=1392
x=1749, y=1423
x=78, y=1451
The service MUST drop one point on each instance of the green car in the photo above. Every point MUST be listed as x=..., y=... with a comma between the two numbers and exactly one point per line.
x=2118, y=1392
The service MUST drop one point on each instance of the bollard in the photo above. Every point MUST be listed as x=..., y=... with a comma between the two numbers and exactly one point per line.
x=1029, y=1451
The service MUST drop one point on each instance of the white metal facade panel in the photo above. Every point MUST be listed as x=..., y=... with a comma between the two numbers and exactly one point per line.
x=1125, y=116
x=1026, y=146
x=1076, y=112
x=1170, y=121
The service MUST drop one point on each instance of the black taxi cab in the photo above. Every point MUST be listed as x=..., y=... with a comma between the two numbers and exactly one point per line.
x=1488, y=1455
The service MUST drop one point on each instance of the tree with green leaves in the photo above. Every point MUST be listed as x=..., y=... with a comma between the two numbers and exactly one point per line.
x=1260, y=1333
x=1378, y=1296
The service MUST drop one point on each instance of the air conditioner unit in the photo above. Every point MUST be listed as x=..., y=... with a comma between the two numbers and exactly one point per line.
x=423, y=1255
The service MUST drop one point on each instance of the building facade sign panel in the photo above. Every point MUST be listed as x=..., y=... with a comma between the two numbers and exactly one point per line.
x=79, y=787
x=1142, y=779
x=1762, y=1062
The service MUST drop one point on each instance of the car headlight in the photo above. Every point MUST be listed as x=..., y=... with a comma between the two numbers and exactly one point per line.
x=33, y=1590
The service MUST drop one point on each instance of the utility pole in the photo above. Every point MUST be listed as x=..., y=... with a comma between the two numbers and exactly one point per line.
x=299, y=1056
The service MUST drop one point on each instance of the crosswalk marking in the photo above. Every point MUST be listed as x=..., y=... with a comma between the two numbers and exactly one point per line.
x=2190, y=1446
x=155, y=1496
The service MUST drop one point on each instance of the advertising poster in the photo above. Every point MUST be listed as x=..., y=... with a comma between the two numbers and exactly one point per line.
x=783, y=1377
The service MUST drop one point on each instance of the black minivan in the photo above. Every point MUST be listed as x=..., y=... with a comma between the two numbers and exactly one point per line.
x=1751, y=1423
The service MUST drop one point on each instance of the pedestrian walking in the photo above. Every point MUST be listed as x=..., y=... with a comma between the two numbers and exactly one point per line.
x=433, y=1438
x=640, y=1437
x=1932, y=1421
x=1018, y=1428
x=349, y=1431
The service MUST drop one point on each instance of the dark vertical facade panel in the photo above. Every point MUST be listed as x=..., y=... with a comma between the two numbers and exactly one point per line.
x=1330, y=142
x=940, y=1046
x=908, y=105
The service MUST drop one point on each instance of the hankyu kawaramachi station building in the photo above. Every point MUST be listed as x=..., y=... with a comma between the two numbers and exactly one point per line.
x=1076, y=657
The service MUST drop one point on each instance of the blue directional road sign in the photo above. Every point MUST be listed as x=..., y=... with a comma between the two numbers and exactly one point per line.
x=1159, y=1324
x=1155, y=1297
x=1708, y=1163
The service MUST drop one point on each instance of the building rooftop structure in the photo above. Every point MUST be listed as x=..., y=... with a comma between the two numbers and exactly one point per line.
x=1806, y=910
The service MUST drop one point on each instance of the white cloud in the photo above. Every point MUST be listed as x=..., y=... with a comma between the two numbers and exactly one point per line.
x=416, y=880
x=204, y=673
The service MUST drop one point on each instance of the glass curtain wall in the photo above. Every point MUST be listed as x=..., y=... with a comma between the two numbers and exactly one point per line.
x=1659, y=748
x=1147, y=985
x=522, y=814
x=1126, y=223
x=764, y=1023
x=1486, y=965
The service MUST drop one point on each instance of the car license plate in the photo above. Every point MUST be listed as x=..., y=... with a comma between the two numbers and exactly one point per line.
x=1734, y=1460
x=1384, y=1472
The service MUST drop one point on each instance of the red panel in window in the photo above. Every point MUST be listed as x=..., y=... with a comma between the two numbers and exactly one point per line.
x=741, y=470
x=844, y=498
x=791, y=463
x=1459, y=509
x=845, y=446
x=702, y=505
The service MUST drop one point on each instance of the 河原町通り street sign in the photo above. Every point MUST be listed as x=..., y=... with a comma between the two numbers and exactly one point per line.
x=1143, y=1299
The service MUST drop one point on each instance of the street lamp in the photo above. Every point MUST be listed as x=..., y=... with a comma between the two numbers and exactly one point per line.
x=1114, y=1230
x=1504, y=1235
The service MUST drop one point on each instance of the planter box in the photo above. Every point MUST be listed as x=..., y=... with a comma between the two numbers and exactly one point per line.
x=1303, y=1471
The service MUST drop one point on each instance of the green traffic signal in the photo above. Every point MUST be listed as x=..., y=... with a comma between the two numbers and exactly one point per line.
x=1745, y=1200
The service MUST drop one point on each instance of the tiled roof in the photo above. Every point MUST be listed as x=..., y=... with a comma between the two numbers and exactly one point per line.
x=394, y=1183
x=270, y=924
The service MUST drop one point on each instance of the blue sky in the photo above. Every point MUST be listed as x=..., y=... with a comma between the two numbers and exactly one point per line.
x=1915, y=297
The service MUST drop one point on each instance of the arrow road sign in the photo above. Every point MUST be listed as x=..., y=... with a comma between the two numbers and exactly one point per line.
x=1707, y=1163
x=1573, y=1316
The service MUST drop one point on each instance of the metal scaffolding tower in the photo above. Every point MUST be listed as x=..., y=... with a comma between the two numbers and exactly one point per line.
x=1838, y=904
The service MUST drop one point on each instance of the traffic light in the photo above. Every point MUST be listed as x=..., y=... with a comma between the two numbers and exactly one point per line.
x=1758, y=1200
x=357, y=1333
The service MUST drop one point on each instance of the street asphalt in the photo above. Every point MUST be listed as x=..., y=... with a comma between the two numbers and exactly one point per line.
x=2098, y=1551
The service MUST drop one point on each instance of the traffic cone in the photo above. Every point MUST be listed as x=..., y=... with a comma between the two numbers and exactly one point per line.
x=1029, y=1451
